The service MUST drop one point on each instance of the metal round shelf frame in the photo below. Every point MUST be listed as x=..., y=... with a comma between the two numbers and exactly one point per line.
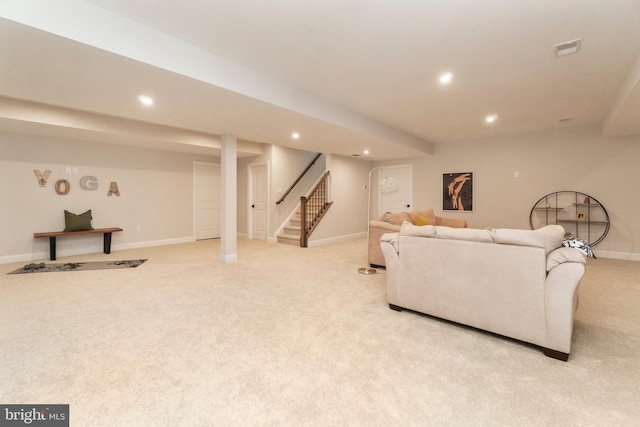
x=565, y=202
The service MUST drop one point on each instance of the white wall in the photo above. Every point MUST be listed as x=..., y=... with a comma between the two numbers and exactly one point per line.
x=347, y=217
x=156, y=188
x=156, y=193
x=577, y=159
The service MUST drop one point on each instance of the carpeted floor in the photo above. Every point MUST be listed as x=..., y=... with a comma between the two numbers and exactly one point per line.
x=292, y=336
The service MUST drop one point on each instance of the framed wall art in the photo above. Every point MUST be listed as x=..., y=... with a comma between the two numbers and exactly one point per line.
x=457, y=191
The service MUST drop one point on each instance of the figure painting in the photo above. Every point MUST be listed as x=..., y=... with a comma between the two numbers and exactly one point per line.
x=457, y=191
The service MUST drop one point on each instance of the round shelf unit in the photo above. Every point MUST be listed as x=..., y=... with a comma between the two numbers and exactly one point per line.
x=581, y=215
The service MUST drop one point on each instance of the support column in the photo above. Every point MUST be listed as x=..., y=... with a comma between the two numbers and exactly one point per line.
x=228, y=199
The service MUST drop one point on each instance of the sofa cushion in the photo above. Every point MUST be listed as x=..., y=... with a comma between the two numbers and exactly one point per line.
x=562, y=255
x=396, y=218
x=390, y=218
x=548, y=237
x=402, y=217
x=471, y=234
x=408, y=229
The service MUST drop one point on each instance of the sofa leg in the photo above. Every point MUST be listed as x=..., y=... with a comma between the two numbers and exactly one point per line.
x=395, y=307
x=556, y=354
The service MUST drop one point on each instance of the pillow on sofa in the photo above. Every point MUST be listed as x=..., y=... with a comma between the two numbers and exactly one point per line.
x=396, y=218
x=548, y=237
x=408, y=229
x=390, y=218
x=73, y=222
x=471, y=234
x=421, y=220
x=429, y=214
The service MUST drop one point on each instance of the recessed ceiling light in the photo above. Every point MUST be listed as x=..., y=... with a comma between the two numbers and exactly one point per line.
x=491, y=118
x=446, y=78
x=295, y=135
x=145, y=100
x=366, y=152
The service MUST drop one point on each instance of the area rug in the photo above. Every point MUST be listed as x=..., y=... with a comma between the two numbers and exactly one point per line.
x=77, y=266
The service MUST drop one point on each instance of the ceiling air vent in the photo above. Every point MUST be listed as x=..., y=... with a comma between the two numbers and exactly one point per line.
x=567, y=48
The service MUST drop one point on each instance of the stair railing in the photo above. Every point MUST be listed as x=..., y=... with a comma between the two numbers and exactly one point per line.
x=286, y=193
x=312, y=208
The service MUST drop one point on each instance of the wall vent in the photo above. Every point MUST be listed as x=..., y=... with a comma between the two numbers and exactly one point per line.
x=568, y=48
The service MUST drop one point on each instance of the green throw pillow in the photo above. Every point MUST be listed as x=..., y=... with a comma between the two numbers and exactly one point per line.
x=73, y=222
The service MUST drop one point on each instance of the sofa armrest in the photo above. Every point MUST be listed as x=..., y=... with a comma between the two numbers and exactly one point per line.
x=561, y=302
x=451, y=222
x=389, y=247
x=376, y=230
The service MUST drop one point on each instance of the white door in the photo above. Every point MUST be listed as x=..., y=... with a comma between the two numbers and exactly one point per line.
x=395, y=189
x=206, y=200
x=258, y=202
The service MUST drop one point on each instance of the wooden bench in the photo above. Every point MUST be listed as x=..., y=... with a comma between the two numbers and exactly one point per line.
x=53, y=234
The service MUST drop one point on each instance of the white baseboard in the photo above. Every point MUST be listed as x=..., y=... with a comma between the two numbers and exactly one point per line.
x=151, y=243
x=22, y=257
x=135, y=245
x=337, y=239
x=617, y=255
x=44, y=255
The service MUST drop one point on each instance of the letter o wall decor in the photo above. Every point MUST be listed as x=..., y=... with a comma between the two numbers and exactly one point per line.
x=62, y=187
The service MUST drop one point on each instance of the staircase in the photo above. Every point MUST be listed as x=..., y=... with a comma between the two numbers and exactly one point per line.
x=308, y=215
x=290, y=233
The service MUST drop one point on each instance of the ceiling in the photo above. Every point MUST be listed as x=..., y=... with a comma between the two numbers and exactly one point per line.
x=348, y=76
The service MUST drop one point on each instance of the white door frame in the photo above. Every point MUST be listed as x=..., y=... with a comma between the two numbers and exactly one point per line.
x=250, y=211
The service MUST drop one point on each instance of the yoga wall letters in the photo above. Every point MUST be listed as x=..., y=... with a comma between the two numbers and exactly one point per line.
x=87, y=183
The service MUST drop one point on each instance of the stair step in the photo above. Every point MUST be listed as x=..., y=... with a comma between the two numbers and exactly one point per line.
x=289, y=239
x=292, y=229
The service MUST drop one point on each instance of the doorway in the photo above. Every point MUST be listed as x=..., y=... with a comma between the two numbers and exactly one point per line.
x=395, y=189
x=258, y=215
x=206, y=198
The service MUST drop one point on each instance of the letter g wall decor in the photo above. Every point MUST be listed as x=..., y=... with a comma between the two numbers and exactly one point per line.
x=89, y=183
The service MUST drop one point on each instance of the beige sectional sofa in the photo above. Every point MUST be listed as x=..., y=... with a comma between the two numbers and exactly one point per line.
x=517, y=283
x=391, y=222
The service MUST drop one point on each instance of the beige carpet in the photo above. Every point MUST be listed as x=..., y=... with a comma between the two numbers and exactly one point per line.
x=291, y=336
